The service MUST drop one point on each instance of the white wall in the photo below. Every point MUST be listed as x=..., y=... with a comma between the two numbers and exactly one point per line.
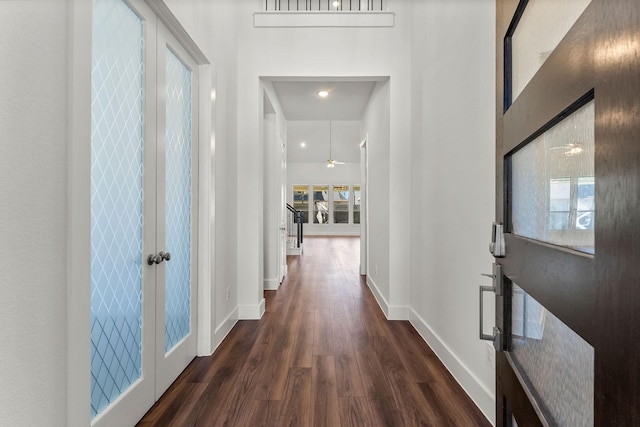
x=270, y=208
x=453, y=184
x=322, y=52
x=376, y=129
x=33, y=198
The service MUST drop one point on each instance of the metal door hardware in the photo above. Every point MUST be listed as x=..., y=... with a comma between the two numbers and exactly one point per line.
x=497, y=246
x=157, y=259
x=154, y=259
x=496, y=287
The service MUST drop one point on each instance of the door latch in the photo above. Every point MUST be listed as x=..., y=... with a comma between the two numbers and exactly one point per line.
x=497, y=246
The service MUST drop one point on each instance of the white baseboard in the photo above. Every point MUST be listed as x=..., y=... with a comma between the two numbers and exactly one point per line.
x=382, y=302
x=483, y=397
x=271, y=284
x=398, y=312
x=391, y=312
x=251, y=312
x=224, y=328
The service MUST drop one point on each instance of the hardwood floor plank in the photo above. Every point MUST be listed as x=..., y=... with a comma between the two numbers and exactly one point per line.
x=324, y=393
x=348, y=377
x=295, y=410
x=416, y=411
x=417, y=358
x=455, y=407
x=378, y=390
x=322, y=354
x=322, y=334
x=264, y=413
x=209, y=405
x=302, y=352
x=355, y=411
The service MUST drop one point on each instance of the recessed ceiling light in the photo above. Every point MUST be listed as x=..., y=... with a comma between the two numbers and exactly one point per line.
x=303, y=144
x=323, y=94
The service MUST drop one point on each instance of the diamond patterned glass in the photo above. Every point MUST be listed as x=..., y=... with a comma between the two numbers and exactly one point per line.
x=553, y=184
x=116, y=201
x=178, y=201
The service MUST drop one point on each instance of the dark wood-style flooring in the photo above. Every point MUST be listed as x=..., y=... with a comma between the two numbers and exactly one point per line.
x=322, y=355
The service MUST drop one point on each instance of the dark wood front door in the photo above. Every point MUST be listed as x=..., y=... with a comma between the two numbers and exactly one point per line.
x=568, y=194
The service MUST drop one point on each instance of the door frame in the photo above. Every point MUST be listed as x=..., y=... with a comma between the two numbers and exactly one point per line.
x=364, y=208
x=600, y=299
x=78, y=296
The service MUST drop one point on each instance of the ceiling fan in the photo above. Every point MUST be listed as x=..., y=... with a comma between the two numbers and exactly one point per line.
x=331, y=162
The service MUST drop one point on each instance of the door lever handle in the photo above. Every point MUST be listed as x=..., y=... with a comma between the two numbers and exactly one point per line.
x=166, y=256
x=154, y=259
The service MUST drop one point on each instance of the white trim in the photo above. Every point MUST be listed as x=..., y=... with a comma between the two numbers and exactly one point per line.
x=398, y=312
x=271, y=284
x=206, y=217
x=323, y=19
x=177, y=30
x=223, y=330
x=79, y=216
x=483, y=397
x=251, y=312
x=382, y=302
x=391, y=312
x=309, y=231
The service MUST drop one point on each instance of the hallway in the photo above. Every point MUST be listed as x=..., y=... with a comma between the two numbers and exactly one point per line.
x=323, y=354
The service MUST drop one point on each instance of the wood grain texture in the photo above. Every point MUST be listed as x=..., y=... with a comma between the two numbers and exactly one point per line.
x=323, y=355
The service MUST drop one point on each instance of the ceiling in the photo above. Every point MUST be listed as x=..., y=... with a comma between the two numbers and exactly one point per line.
x=311, y=118
x=347, y=100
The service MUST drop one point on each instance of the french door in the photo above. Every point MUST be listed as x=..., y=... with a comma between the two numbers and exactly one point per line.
x=568, y=187
x=143, y=209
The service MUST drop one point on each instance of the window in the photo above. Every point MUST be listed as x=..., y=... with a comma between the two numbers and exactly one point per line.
x=301, y=200
x=320, y=204
x=341, y=204
x=356, y=204
x=329, y=204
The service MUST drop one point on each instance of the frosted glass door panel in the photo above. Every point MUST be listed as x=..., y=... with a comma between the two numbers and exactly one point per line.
x=556, y=363
x=542, y=25
x=553, y=184
x=178, y=201
x=116, y=201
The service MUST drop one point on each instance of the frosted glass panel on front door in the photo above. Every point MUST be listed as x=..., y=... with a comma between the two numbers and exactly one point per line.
x=178, y=201
x=554, y=361
x=542, y=25
x=116, y=201
x=553, y=184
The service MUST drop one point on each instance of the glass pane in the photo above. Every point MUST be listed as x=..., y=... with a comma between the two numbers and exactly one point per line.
x=341, y=204
x=320, y=204
x=178, y=199
x=541, y=28
x=116, y=201
x=356, y=204
x=301, y=201
x=553, y=184
x=556, y=363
